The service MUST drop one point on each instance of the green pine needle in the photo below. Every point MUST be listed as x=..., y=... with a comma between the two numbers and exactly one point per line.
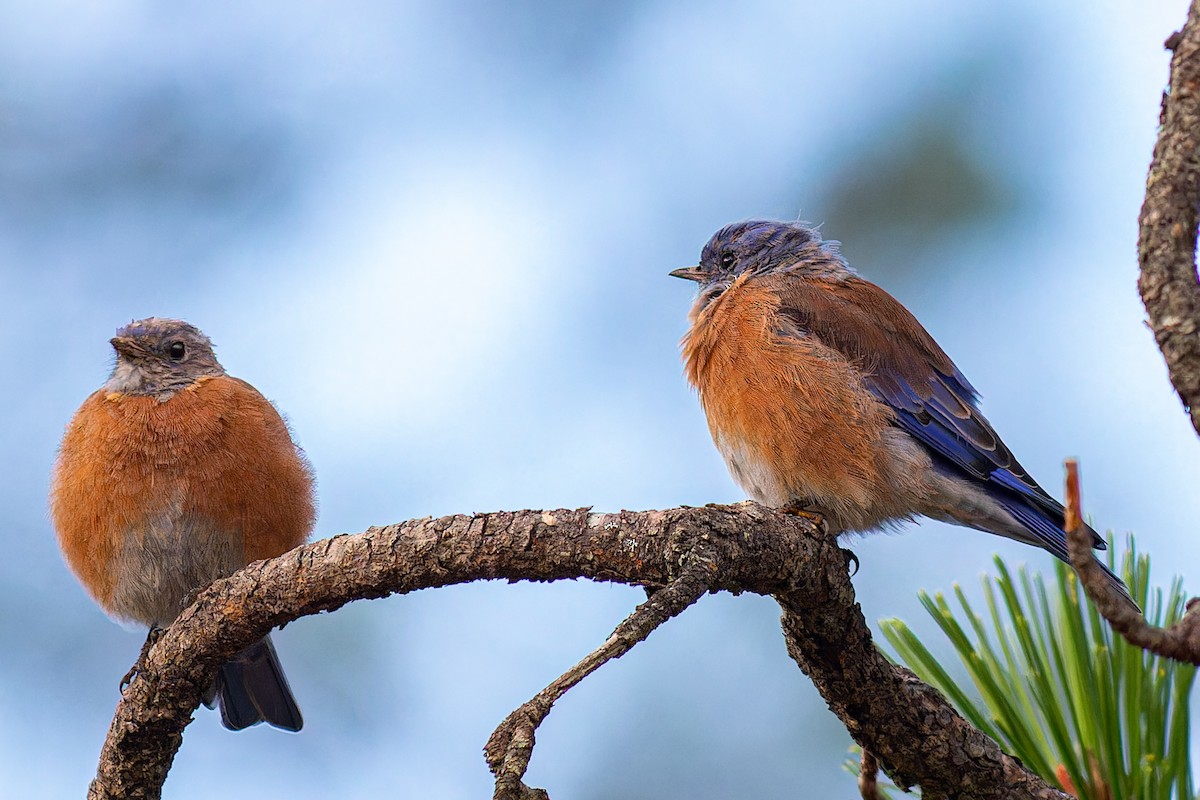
x=1057, y=689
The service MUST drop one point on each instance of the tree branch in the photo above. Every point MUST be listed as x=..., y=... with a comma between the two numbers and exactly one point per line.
x=868, y=777
x=917, y=736
x=1180, y=641
x=1167, y=240
x=511, y=745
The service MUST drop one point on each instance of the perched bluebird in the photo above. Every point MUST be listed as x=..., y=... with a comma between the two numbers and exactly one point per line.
x=823, y=393
x=174, y=474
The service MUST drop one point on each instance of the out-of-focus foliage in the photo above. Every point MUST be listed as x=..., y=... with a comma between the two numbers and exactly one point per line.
x=931, y=177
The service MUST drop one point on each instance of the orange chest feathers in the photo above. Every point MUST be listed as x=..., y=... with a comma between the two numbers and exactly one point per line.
x=216, y=451
x=789, y=414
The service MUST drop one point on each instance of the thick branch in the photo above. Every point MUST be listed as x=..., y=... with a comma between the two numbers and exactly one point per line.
x=913, y=731
x=1167, y=241
x=917, y=737
x=759, y=551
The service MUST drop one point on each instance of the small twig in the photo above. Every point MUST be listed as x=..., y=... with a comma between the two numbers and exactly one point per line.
x=868, y=776
x=1180, y=641
x=511, y=745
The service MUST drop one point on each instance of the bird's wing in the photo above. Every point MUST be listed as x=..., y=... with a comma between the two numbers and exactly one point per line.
x=932, y=401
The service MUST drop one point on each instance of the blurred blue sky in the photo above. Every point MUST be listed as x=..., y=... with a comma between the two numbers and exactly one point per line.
x=437, y=236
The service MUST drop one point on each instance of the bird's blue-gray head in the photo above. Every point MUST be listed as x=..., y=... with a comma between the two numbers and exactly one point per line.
x=159, y=357
x=761, y=247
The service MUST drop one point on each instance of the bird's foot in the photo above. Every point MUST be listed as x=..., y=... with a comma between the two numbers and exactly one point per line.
x=805, y=511
x=152, y=636
x=851, y=557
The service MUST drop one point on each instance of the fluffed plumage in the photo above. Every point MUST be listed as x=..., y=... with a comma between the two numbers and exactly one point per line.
x=174, y=474
x=823, y=392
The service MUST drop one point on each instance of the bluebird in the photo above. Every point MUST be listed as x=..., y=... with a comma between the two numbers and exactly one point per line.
x=825, y=395
x=174, y=474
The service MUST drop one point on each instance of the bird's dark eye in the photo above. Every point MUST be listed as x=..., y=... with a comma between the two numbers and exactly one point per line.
x=727, y=259
x=176, y=351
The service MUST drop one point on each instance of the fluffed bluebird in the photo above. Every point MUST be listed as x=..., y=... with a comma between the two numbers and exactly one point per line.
x=823, y=393
x=174, y=474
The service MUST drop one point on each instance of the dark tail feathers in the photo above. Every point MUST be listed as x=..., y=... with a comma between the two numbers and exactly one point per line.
x=1049, y=534
x=252, y=688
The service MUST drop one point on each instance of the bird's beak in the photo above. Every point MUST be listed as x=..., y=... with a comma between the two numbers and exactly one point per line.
x=689, y=274
x=125, y=345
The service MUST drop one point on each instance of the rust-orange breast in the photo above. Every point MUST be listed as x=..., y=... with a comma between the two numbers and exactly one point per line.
x=791, y=402
x=217, y=451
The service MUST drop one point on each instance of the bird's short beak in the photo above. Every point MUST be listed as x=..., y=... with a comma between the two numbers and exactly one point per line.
x=689, y=274
x=125, y=345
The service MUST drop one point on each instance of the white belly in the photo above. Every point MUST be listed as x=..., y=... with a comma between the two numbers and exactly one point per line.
x=752, y=473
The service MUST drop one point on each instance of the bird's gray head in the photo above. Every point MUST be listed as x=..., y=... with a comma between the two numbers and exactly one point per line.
x=760, y=247
x=160, y=357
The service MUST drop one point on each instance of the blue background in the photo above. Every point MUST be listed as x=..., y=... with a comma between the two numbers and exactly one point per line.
x=437, y=236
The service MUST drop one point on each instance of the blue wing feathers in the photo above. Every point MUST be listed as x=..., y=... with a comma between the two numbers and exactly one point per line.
x=1051, y=536
x=969, y=447
x=946, y=443
x=930, y=398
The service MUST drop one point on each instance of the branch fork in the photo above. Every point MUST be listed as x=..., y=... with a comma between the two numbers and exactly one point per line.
x=683, y=552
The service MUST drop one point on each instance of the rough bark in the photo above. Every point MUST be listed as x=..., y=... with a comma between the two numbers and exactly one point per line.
x=1167, y=238
x=917, y=736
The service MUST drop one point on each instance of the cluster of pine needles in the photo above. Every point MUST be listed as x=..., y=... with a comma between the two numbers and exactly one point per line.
x=1057, y=688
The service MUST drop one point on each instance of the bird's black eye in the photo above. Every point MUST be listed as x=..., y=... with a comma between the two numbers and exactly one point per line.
x=727, y=260
x=176, y=351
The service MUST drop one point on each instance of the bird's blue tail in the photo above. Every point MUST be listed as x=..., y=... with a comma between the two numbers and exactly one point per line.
x=252, y=688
